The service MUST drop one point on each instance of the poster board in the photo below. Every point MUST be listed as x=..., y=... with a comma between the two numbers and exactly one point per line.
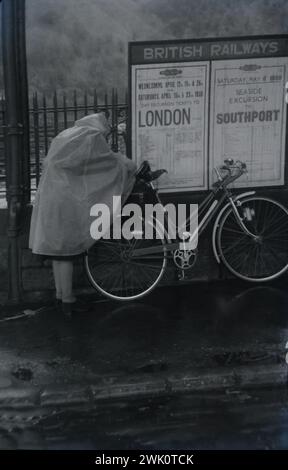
x=194, y=103
x=248, y=118
x=170, y=122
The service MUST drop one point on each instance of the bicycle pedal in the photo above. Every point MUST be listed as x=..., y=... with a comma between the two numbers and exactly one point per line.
x=181, y=276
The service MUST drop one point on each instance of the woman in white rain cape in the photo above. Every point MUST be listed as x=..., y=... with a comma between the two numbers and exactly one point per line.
x=79, y=171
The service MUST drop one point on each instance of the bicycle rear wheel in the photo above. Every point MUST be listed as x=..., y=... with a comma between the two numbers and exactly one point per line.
x=118, y=274
x=257, y=260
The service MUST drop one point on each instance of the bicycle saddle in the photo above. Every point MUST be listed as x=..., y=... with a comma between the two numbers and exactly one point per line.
x=144, y=170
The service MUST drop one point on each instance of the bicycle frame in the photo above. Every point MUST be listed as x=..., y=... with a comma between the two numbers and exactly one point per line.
x=209, y=206
x=250, y=258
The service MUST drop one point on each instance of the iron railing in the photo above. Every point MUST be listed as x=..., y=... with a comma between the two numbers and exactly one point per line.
x=51, y=115
x=2, y=151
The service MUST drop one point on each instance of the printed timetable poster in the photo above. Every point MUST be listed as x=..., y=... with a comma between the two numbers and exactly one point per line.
x=248, y=118
x=170, y=122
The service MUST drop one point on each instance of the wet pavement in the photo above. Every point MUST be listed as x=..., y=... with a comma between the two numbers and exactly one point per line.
x=192, y=366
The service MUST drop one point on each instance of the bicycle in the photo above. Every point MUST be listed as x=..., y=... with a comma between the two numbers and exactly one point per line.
x=249, y=236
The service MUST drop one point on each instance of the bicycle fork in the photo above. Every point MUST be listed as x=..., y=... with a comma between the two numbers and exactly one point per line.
x=239, y=217
x=237, y=207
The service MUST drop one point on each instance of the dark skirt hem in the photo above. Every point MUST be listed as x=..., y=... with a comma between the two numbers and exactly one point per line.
x=59, y=258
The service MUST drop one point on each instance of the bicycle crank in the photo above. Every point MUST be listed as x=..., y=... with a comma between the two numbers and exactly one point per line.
x=184, y=259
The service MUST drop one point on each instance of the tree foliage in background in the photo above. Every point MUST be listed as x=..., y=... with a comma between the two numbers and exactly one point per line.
x=82, y=44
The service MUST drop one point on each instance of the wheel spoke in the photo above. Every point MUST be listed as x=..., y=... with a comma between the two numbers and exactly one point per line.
x=114, y=270
x=264, y=257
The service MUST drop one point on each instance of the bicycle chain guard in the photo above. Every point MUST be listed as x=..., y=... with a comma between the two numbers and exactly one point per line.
x=184, y=259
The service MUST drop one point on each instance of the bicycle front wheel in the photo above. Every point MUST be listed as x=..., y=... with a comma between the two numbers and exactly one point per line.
x=115, y=271
x=255, y=259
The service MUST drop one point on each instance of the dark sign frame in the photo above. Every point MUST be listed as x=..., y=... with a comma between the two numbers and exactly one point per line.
x=207, y=49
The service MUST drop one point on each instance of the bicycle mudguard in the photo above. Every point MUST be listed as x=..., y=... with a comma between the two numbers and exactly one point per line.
x=216, y=224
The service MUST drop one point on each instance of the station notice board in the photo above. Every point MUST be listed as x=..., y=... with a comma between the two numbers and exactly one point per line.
x=194, y=103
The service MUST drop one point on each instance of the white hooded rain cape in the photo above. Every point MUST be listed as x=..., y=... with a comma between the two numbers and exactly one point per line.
x=79, y=171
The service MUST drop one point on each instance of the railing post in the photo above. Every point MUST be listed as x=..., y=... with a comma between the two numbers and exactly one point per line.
x=36, y=137
x=55, y=113
x=114, y=120
x=95, y=102
x=75, y=103
x=106, y=106
x=15, y=96
x=128, y=137
x=65, y=111
x=45, y=124
x=85, y=103
x=23, y=84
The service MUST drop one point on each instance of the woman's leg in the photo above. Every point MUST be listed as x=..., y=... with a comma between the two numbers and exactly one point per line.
x=57, y=278
x=66, y=270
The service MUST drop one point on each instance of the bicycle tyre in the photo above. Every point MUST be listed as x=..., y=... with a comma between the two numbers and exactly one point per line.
x=117, y=275
x=247, y=259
